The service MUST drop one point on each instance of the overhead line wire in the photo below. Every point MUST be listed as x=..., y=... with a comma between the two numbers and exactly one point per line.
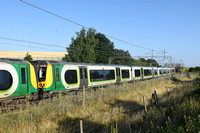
x=81, y=24
x=18, y=40
x=3, y=43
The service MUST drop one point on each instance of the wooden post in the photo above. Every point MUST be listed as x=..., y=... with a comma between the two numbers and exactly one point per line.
x=168, y=91
x=156, y=98
x=63, y=109
x=81, y=126
x=83, y=95
x=31, y=117
x=145, y=107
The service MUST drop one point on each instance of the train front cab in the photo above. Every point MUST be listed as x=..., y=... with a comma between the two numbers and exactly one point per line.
x=44, y=76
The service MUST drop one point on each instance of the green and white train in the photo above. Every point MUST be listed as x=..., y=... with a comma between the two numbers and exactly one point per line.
x=22, y=79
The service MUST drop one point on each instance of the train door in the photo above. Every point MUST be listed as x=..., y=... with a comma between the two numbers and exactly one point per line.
x=23, y=79
x=57, y=78
x=83, y=76
x=118, y=74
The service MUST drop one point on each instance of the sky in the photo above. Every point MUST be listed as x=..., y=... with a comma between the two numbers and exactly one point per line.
x=173, y=25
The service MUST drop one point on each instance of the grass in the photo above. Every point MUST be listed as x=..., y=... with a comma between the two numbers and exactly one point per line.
x=116, y=108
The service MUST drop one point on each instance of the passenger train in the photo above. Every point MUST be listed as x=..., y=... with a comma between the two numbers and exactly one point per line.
x=23, y=79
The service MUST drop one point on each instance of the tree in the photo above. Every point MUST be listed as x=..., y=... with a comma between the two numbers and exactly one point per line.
x=28, y=57
x=142, y=60
x=152, y=62
x=82, y=47
x=104, y=48
x=122, y=57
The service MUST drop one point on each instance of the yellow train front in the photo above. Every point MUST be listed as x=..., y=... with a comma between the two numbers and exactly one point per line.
x=44, y=76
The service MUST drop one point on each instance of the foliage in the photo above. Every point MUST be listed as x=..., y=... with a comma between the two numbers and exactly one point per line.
x=104, y=49
x=82, y=47
x=92, y=47
x=28, y=57
x=149, y=62
x=122, y=57
x=194, y=69
x=152, y=62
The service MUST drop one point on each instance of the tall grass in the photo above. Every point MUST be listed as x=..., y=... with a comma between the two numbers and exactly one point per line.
x=121, y=104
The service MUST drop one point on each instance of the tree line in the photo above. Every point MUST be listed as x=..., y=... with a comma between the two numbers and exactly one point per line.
x=91, y=47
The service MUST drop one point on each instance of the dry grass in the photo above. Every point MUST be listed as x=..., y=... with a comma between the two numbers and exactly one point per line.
x=103, y=107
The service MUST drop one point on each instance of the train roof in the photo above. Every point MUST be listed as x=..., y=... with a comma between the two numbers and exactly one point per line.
x=86, y=64
x=12, y=60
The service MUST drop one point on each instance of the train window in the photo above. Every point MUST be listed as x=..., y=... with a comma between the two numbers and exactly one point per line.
x=118, y=71
x=42, y=73
x=137, y=73
x=57, y=74
x=81, y=72
x=109, y=74
x=96, y=75
x=23, y=75
x=164, y=71
x=6, y=80
x=100, y=75
x=155, y=72
x=85, y=69
x=125, y=73
x=147, y=72
x=160, y=71
x=71, y=76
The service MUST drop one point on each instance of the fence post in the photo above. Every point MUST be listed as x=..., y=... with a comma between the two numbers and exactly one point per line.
x=63, y=108
x=31, y=117
x=83, y=95
x=156, y=98
x=168, y=91
x=145, y=107
x=81, y=126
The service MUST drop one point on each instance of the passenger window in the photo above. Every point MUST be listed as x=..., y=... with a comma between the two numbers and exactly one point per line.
x=6, y=80
x=71, y=76
x=23, y=75
x=100, y=75
x=137, y=73
x=147, y=72
x=125, y=73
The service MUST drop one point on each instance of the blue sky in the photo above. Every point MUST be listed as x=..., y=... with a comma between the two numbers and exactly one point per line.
x=173, y=25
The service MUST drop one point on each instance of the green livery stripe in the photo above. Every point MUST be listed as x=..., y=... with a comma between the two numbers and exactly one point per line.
x=125, y=78
x=148, y=76
x=102, y=81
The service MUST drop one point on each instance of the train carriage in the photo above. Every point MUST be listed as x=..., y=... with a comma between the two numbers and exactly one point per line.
x=137, y=72
x=155, y=71
x=17, y=79
x=147, y=72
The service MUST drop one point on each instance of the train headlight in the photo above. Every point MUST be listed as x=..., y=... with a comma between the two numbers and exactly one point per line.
x=40, y=84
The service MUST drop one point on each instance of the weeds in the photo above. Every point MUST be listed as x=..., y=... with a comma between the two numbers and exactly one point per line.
x=119, y=107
